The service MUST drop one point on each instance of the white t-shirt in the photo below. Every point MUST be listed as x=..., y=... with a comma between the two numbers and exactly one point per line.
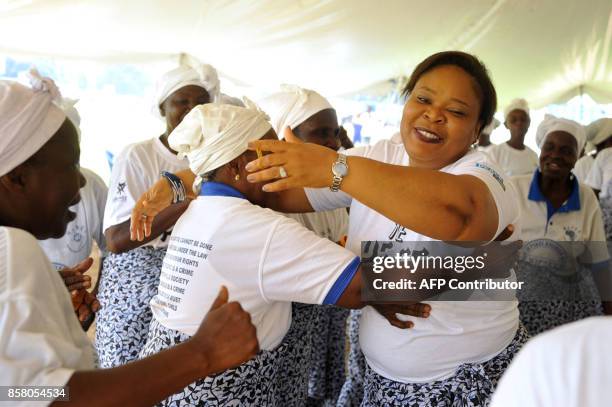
x=135, y=170
x=578, y=220
x=455, y=332
x=583, y=167
x=41, y=340
x=75, y=246
x=266, y=260
x=332, y=225
x=600, y=176
x=513, y=161
x=485, y=149
x=570, y=366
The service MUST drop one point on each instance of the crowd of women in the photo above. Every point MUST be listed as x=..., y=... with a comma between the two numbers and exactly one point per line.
x=231, y=244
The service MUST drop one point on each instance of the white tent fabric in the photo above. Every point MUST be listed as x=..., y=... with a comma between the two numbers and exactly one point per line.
x=546, y=51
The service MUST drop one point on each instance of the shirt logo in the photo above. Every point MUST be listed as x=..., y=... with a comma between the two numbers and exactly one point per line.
x=121, y=188
x=493, y=173
x=120, y=193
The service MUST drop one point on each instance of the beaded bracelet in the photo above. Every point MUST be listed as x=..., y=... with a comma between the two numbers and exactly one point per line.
x=178, y=189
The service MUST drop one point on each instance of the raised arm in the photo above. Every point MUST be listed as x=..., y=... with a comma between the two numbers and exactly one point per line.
x=436, y=204
x=226, y=338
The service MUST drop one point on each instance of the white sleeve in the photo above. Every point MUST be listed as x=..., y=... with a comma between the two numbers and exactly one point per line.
x=100, y=191
x=297, y=265
x=500, y=187
x=597, y=251
x=526, y=382
x=595, y=177
x=30, y=354
x=128, y=182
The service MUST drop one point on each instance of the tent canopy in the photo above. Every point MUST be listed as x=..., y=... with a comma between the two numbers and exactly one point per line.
x=546, y=51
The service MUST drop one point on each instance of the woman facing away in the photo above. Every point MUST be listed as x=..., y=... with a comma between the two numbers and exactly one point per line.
x=130, y=273
x=226, y=238
x=433, y=186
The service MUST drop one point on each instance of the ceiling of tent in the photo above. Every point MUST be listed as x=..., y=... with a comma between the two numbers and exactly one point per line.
x=546, y=50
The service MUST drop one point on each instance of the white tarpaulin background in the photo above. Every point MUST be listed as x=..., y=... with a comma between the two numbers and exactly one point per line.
x=546, y=51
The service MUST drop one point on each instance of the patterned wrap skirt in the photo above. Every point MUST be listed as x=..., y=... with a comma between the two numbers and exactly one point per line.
x=327, y=355
x=471, y=385
x=277, y=377
x=127, y=284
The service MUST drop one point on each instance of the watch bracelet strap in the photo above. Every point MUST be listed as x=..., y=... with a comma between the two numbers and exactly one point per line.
x=176, y=184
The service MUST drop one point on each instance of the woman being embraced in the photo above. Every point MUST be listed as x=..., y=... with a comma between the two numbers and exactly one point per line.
x=433, y=186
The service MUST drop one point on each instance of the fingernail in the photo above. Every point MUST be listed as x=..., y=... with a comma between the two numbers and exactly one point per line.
x=266, y=188
x=251, y=178
x=74, y=292
x=250, y=166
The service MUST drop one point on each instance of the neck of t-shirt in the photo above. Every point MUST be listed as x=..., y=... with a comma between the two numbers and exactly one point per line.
x=513, y=146
x=165, y=152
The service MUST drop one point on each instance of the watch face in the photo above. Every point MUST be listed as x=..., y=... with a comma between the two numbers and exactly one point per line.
x=340, y=169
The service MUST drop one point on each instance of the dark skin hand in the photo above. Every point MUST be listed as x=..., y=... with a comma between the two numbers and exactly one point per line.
x=226, y=338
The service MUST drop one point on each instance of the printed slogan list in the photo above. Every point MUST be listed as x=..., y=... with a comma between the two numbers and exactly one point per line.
x=182, y=259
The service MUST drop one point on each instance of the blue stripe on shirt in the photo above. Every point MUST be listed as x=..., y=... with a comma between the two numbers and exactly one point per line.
x=342, y=282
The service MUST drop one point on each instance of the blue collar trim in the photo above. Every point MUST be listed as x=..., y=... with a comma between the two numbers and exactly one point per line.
x=535, y=194
x=212, y=188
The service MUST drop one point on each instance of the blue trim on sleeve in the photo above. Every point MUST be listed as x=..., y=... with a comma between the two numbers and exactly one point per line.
x=342, y=282
x=212, y=188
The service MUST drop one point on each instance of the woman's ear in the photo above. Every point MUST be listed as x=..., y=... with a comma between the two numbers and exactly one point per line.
x=15, y=181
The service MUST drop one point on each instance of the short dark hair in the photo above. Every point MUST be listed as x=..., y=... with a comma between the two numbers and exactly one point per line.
x=473, y=67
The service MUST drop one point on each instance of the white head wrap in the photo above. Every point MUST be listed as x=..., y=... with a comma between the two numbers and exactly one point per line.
x=516, y=104
x=203, y=75
x=599, y=130
x=28, y=119
x=552, y=123
x=213, y=134
x=230, y=100
x=292, y=106
x=492, y=126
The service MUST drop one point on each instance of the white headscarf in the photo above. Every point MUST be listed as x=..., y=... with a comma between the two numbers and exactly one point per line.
x=292, y=106
x=213, y=134
x=28, y=119
x=492, y=126
x=37, y=81
x=599, y=130
x=230, y=100
x=516, y=104
x=204, y=76
x=552, y=123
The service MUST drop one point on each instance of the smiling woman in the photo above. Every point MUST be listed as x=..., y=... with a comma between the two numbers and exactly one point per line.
x=556, y=208
x=430, y=187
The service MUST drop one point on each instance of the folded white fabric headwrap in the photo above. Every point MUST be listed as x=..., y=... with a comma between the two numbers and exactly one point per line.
x=552, y=123
x=599, y=130
x=230, y=100
x=28, y=119
x=213, y=134
x=203, y=75
x=292, y=106
x=516, y=104
x=492, y=126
